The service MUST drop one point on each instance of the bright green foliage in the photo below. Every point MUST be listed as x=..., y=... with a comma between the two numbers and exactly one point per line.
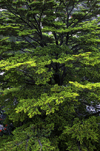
x=53, y=77
x=82, y=131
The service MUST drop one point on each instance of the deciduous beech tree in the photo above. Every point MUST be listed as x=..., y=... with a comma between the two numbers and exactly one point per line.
x=53, y=77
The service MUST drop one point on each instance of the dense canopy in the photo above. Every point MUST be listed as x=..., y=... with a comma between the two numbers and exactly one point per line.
x=52, y=78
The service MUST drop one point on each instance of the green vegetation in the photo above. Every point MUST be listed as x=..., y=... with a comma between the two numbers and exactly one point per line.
x=53, y=77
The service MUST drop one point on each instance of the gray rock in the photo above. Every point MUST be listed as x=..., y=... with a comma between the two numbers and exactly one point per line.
x=1, y=127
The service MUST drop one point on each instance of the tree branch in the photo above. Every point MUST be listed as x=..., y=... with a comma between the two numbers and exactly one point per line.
x=30, y=42
x=55, y=38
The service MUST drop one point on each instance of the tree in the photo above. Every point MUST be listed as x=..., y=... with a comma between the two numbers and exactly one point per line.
x=53, y=78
